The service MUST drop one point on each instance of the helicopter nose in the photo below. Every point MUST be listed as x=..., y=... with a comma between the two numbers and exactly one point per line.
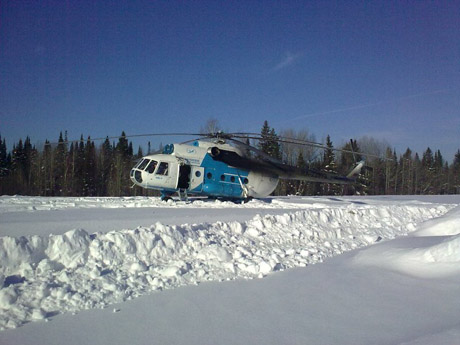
x=136, y=176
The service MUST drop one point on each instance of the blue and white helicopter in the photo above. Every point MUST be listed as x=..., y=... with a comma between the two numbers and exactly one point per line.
x=221, y=166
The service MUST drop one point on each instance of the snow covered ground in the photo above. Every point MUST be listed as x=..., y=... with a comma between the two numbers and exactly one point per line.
x=140, y=271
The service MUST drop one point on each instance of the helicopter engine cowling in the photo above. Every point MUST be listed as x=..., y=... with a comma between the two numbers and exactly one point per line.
x=214, y=151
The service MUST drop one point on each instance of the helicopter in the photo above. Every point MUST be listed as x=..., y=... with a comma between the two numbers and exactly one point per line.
x=220, y=165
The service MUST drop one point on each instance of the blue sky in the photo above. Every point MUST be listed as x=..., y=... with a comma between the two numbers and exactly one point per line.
x=385, y=69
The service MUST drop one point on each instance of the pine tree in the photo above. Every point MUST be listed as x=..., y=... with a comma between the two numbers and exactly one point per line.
x=28, y=149
x=427, y=178
x=34, y=172
x=301, y=161
x=123, y=145
x=140, y=152
x=67, y=167
x=4, y=166
x=264, y=143
x=269, y=142
x=89, y=169
x=329, y=167
x=105, y=167
x=275, y=150
x=46, y=170
x=79, y=168
x=20, y=166
x=440, y=176
x=70, y=168
x=60, y=162
x=377, y=184
x=122, y=166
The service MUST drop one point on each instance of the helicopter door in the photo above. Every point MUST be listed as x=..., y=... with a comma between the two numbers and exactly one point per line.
x=165, y=175
x=184, y=177
x=196, y=179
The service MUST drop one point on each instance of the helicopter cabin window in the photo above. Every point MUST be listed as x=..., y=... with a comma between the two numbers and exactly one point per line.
x=209, y=175
x=143, y=164
x=222, y=177
x=151, y=167
x=232, y=178
x=245, y=181
x=162, y=169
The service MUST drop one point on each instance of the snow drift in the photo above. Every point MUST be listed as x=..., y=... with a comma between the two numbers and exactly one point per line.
x=46, y=275
x=432, y=252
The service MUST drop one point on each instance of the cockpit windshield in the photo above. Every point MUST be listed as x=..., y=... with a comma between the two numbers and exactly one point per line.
x=138, y=163
x=143, y=164
x=149, y=165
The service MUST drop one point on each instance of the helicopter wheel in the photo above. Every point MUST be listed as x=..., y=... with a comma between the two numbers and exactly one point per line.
x=246, y=200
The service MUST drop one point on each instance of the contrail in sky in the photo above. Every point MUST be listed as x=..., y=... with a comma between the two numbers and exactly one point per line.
x=368, y=105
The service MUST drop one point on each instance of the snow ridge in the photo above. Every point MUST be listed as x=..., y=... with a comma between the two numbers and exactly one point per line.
x=44, y=276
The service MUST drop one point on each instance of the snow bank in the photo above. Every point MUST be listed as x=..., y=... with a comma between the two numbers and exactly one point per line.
x=43, y=276
x=448, y=225
x=432, y=251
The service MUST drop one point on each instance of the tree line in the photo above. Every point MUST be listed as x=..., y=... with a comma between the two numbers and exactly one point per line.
x=83, y=168
x=68, y=169
x=386, y=172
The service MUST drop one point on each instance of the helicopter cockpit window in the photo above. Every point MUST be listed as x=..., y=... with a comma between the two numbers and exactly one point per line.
x=143, y=164
x=151, y=167
x=138, y=163
x=162, y=169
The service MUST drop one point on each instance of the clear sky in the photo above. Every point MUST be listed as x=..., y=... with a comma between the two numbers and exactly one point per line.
x=384, y=69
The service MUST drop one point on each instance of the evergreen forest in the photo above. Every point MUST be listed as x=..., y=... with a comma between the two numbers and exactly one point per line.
x=87, y=168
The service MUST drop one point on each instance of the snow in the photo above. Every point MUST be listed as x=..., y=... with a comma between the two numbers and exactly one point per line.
x=431, y=251
x=335, y=271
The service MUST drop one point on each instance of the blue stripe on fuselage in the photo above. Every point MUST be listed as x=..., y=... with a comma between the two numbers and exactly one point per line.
x=214, y=185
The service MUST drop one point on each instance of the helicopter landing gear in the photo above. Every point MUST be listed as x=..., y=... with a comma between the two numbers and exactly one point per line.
x=165, y=196
x=183, y=195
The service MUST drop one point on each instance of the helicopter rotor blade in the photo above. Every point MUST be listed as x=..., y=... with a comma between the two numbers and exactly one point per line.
x=234, y=138
x=201, y=135
x=125, y=136
x=302, y=142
